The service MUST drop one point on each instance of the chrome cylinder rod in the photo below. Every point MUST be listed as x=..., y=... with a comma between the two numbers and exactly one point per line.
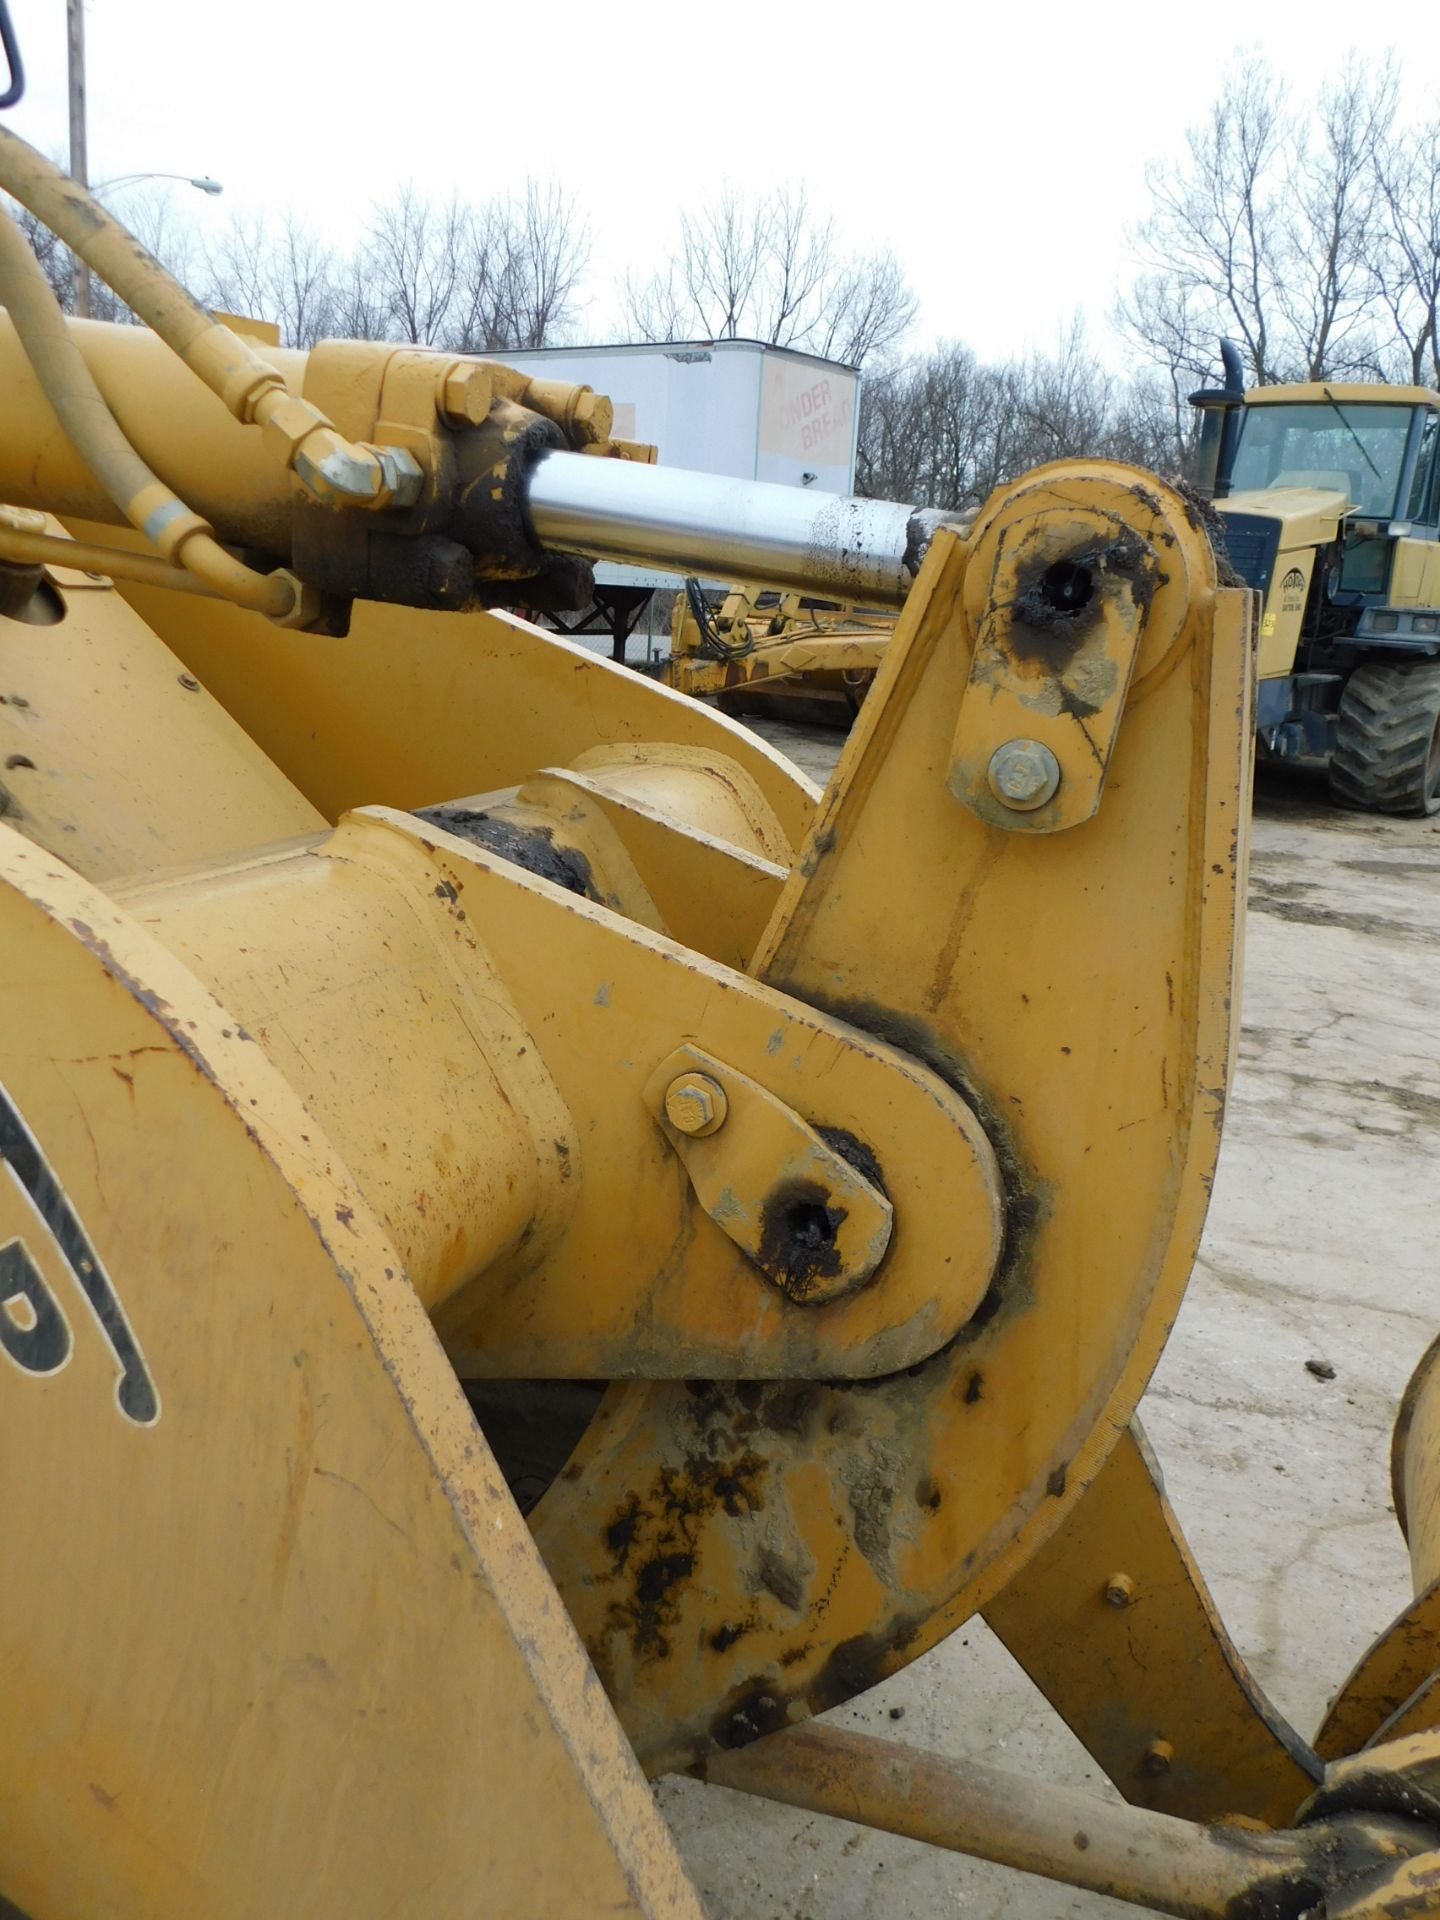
x=861, y=552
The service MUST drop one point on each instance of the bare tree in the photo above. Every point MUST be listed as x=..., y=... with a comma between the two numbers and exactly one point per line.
x=769, y=269
x=870, y=307
x=935, y=429
x=1310, y=236
x=469, y=278
x=1174, y=332
x=152, y=219
x=1150, y=426
x=923, y=425
x=1328, y=235
x=1209, y=246
x=656, y=307
x=724, y=249
x=522, y=271
x=943, y=429
x=1059, y=404
x=1407, y=260
x=54, y=257
x=548, y=257
x=413, y=261
x=285, y=275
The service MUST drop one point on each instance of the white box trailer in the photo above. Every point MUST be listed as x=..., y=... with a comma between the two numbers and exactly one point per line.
x=734, y=407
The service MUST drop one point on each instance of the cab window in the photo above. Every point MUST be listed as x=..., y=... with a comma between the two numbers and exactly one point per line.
x=1425, y=493
x=1352, y=447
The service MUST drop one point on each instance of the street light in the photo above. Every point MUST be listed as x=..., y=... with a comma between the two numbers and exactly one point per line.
x=201, y=181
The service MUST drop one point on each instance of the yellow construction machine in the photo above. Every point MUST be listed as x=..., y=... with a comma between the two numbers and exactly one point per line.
x=404, y=1012
x=1329, y=497
x=777, y=653
x=1329, y=504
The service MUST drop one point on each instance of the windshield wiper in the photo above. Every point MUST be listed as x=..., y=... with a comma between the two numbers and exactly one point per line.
x=1364, y=451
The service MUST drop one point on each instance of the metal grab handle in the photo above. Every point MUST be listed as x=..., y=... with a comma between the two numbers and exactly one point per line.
x=15, y=91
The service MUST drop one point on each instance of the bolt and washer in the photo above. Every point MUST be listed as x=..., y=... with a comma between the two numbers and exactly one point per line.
x=696, y=1104
x=1024, y=774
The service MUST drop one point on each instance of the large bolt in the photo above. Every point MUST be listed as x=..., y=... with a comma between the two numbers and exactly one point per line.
x=1023, y=774
x=1158, y=1757
x=592, y=419
x=1120, y=1590
x=465, y=396
x=696, y=1104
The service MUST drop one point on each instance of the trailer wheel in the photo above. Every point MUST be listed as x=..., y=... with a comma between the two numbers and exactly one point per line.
x=1387, y=750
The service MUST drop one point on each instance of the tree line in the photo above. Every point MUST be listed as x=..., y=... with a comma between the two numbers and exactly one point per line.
x=465, y=276
x=1308, y=231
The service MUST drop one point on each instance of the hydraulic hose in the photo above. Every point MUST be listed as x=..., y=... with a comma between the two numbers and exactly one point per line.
x=338, y=471
x=146, y=502
x=25, y=543
x=713, y=644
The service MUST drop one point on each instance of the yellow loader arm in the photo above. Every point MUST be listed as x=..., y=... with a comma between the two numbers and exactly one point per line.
x=406, y=1017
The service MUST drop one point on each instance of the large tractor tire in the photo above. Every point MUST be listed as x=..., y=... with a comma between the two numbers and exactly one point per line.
x=1387, y=753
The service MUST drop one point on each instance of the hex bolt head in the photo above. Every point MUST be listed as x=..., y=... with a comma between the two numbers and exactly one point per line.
x=593, y=418
x=696, y=1104
x=1023, y=774
x=1120, y=1590
x=1158, y=1756
x=466, y=395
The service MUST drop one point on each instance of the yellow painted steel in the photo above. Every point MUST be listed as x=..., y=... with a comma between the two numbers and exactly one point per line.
x=1347, y=392
x=1112, y=1621
x=276, y=1639
x=334, y=471
x=26, y=541
x=273, y=479
x=442, y=1004
x=1152, y=1860
x=113, y=757
x=407, y=980
x=778, y=652
x=719, y=896
x=1315, y=516
x=1073, y=587
x=182, y=536
x=216, y=465
x=414, y=708
x=1394, y=1688
x=1309, y=518
x=1112, y=1086
x=1415, y=574
x=1393, y=1682
x=402, y=978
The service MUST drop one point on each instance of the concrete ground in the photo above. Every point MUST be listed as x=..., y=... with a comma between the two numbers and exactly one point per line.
x=1320, y=1246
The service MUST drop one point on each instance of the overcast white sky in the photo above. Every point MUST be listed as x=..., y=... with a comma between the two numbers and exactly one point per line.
x=999, y=150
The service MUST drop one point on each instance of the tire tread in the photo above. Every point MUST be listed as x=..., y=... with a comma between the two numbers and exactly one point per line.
x=1387, y=719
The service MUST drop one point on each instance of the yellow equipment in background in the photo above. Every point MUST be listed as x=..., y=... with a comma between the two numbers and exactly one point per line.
x=1329, y=501
x=406, y=1017
x=776, y=653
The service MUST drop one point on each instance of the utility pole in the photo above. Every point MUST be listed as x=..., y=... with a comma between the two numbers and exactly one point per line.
x=75, y=24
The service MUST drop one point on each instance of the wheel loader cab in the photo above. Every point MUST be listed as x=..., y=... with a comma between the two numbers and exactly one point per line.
x=1330, y=498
